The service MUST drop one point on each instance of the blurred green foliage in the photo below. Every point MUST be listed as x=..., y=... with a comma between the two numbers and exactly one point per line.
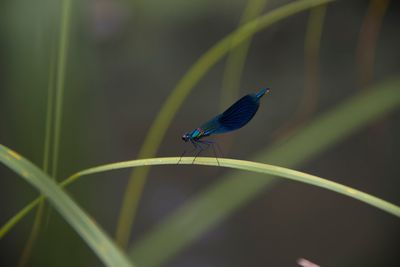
x=123, y=59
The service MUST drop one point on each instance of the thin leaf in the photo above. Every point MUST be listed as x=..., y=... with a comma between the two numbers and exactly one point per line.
x=252, y=167
x=72, y=213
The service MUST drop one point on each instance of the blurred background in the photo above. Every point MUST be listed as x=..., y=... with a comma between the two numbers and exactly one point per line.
x=123, y=60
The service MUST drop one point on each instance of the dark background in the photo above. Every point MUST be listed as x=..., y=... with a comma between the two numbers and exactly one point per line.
x=124, y=59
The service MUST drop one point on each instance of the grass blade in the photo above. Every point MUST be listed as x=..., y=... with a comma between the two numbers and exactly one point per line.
x=61, y=71
x=252, y=167
x=72, y=213
x=60, y=82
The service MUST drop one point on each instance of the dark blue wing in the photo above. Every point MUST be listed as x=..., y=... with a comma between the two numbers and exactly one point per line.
x=236, y=116
x=240, y=113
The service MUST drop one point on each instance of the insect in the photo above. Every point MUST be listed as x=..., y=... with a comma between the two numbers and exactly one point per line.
x=235, y=117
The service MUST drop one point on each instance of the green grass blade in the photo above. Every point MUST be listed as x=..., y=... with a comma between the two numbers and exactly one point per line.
x=60, y=83
x=101, y=244
x=19, y=216
x=208, y=208
x=252, y=167
x=61, y=60
x=222, y=162
x=37, y=222
x=178, y=95
x=246, y=166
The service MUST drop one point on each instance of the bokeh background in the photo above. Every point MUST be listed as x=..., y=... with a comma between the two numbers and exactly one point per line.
x=125, y=57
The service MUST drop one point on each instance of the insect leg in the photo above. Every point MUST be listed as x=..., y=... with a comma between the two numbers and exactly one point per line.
x=180, y=158
x=199, y=147
x=216, y=155
x=208, y=143
x=219, y=149
x=190, y=151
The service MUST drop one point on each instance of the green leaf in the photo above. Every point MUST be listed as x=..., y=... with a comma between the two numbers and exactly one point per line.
x=248, y=166
x=72, y=213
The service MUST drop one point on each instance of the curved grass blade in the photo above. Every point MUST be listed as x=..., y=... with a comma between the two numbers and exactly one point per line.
x=72, y=213
x=221, y=199
x=246, y=166
x=175, y=99
x=252, y=167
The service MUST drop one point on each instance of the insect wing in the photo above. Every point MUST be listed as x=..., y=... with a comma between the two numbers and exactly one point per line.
x=236, y=116
x=239, y=114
